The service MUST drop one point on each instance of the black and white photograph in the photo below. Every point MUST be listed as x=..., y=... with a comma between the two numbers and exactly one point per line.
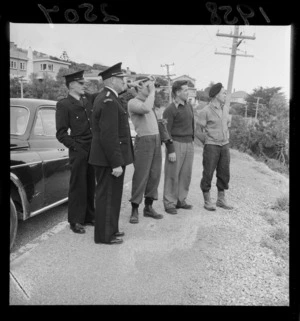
x=149, y=163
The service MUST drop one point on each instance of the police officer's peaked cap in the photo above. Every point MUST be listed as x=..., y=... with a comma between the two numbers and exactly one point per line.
x=215, y=89
x=113, y=71
x=78, y=75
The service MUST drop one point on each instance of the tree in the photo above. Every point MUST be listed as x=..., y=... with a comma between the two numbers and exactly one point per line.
x=268, y=137
x=265, y=94
x=202, y=95
x=64, y=56
x=46, y=88
x=161, y=81
x=238, y=109
x=77, y=67
x=15, y=88
x=99, y=66
x=161, y=98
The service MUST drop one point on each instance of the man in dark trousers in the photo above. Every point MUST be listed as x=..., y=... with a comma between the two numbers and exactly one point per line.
x=111, y=151
x=73, y=113
x=214, y=120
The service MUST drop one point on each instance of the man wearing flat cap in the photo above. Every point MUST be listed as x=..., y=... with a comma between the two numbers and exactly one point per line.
x=111, y=151
x=214, y=120
x=73, y=114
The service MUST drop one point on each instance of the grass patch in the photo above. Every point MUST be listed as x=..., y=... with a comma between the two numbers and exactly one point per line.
x=280, y=233
x=282, y=203
x=274, y=217
x=277, y=166
x=277, y=238
x=279, y=247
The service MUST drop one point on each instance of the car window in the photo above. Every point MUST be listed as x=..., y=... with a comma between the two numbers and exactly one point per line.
x=45, y=122
x=18, y=120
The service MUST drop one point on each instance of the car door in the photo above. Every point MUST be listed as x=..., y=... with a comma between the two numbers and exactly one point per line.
x=54, y=155
x=25, y=164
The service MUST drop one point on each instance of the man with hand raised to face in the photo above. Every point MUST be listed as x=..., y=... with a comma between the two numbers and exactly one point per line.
x=147, y=150
x=111, y=151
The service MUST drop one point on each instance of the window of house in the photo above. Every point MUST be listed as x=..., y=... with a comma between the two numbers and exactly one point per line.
x=22, y=66
x=43, y=66
x=50, y=67
x=45, y=122
x=13, y=64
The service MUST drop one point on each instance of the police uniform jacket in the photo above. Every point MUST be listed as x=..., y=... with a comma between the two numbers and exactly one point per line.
x=75, y=115
x=111, y=143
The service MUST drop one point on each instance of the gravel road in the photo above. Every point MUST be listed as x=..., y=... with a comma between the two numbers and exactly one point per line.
x=196, y=257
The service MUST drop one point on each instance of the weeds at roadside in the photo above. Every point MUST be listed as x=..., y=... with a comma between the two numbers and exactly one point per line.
x=282, y=203
x=279, y=247
x=278, y=237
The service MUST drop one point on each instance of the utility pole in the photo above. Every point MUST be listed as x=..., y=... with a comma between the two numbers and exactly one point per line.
x=169, y=79
x=235, y=43
x=21, y=82
x=257, y=102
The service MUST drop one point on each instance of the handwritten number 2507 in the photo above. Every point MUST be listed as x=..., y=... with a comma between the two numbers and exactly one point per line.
x=216, y=20
x=71, y=15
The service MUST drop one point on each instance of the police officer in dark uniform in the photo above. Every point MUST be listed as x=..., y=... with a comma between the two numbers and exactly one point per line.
x=74, y=113
x=111, y=151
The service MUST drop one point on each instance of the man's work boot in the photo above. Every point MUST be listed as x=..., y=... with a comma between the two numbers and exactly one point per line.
x=221, y=201
x=134, y=218
x=208, y=205
x=150, y=212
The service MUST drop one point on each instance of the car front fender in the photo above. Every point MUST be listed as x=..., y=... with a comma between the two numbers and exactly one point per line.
x=25, y=205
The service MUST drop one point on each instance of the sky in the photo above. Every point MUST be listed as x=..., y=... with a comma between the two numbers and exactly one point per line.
x=191, y=48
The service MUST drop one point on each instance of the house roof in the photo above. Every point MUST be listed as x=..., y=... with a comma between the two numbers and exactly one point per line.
x=184, y=76
x=239, y=94
x=146, y=75
x=17, y=57
x=52, y=60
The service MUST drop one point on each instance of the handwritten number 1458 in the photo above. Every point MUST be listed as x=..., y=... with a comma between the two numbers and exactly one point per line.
x=215, y=19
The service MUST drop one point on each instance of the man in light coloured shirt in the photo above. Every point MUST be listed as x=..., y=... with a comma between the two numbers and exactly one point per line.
x=214, y=120
x=147, y=150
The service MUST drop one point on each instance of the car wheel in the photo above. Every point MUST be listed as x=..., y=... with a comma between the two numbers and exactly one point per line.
x=13, y=223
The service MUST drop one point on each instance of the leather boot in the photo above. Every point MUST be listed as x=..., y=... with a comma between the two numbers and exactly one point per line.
x=150, y=212
x=221, y=202
x=208, y=205
x=134, y=218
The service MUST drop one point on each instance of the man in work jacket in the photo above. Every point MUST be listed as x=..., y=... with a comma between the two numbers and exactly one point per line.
x=214, y=120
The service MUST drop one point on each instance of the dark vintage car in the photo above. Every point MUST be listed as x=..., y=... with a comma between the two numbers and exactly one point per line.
x=39, y=164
